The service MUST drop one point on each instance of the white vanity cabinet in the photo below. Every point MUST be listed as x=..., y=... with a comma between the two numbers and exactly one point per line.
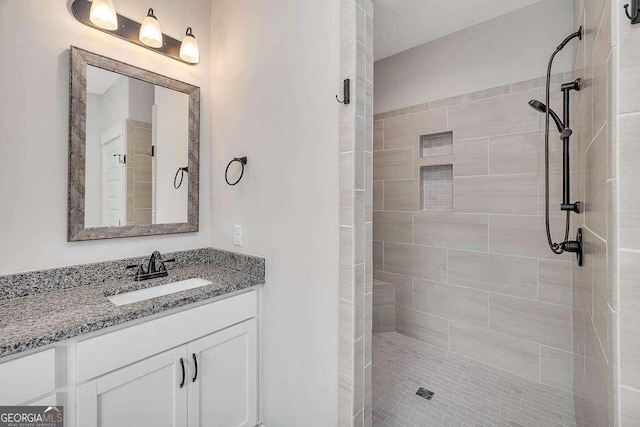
x=223, y=390
x=197, y=367
x=29, y=380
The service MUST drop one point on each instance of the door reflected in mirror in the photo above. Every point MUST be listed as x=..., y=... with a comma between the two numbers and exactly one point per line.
x=137, y=150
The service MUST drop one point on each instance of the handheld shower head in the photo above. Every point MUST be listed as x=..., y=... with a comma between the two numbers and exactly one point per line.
x=539, y=106
x=570, y=37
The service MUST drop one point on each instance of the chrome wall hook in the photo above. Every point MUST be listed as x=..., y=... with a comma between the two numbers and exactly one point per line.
x=346, y=98
x=635, y=9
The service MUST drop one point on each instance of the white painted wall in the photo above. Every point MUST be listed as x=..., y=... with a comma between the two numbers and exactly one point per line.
x=275, y=71
x=141, y=98
x=172, y=152
x=508, y=49
x=34, y=83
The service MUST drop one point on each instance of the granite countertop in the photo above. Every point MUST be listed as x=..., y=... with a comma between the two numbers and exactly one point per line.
x=43, y=318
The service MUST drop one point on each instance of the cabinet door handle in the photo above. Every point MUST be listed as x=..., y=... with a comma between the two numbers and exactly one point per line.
x=183, y=372
x=195, y=362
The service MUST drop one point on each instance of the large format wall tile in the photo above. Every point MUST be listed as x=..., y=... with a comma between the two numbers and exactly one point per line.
x=509, y=194
x=423, y=123
x=543, y=323
x=393, y=164
x=595, y=186
x=512, y=354
x=422, y=326
x=495, y=273
x=494, y=116
x=554, y=282
x=630, y=402
x=556, y=368
x=451, y=230
x=523, y=153
x=452, y=302
x=525, y=236
x=471, y=157
x=630, y=319
x=393, y=226
x=401, y=195
x=416, y=261
x=629, y=198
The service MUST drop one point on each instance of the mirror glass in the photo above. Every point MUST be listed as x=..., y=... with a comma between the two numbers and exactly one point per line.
x=137, y=151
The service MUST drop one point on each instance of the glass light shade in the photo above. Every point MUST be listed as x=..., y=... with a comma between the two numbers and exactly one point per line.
x=189, y=51
x=150, y=32
x=103, y=14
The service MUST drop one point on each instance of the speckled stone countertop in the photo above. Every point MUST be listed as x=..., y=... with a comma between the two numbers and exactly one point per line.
x=42, y=318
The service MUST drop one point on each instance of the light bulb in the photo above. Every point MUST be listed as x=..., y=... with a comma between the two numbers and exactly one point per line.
x=189, y=51
x=103, y=14
x=150, y=33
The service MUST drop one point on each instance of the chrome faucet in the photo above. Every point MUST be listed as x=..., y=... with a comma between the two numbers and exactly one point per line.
x=155, y=268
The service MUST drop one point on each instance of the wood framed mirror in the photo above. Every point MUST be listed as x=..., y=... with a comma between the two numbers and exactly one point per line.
x=134, y=151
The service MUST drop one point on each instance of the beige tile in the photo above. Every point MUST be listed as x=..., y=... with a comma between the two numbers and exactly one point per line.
x=630, y=405
x=555, y=192
x=554, y=282
x=495, y=273
x=452, y=230
x=413, y=109
x=629, y=176
x=494, y=116
x=508, y=353
x=143, y=195
x=345, y=400
x=403, y=287
x=387, y=115
x=142, y=217
x=416, y=261
x=378, y=253
x=422, y=326
x=470, y=157
x=595, y=186
x=630, y=319
x=509, y=194
x=423, y=123
x=452, y=302
x=368, y=394
x=523, y=153
x=367, y=269
x=488, y=93
x=378, y=195
x=346, y=275
x=556, y=368
x=401, y=141
x=387, y=318
x=346, y=245
x=546, y=324
x=347, y=129
x=142, y=168
x=142, y=140
x=393, y=227
x=393, y=164
x=528, y=84
x=402, y=195
x=368, y=118
x=525, y=235
x=448, y=102
x=629, y=66
x=378, y=135
x=601, y=52
x=384, y=293
x=368, y=327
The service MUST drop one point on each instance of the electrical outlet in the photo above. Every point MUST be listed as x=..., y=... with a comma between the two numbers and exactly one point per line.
x=237, y=235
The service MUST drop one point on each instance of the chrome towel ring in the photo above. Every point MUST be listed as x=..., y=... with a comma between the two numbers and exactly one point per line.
x=242, y=161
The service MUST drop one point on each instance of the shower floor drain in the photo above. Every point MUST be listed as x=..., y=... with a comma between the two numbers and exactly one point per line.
x=423, y=392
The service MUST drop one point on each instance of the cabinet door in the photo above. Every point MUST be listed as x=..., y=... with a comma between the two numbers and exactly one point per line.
x=224, y=393
x=147, y=393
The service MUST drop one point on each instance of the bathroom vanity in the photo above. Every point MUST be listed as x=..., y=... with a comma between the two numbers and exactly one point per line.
x=185, y=358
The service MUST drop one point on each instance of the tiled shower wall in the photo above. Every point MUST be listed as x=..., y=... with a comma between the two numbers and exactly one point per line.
x=356, y=201
x=139, y=173
x=594, y=284
x=479, y=278
x=625, y=148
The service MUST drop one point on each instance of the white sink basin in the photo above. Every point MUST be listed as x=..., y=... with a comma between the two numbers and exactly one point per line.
x=157, y=291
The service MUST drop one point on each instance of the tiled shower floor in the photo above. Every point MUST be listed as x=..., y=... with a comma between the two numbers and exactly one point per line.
x=467, y=393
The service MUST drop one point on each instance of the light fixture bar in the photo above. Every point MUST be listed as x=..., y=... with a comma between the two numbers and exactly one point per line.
x=128, y=30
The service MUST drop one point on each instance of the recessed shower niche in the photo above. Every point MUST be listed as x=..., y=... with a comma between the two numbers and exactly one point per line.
x=436, y=172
